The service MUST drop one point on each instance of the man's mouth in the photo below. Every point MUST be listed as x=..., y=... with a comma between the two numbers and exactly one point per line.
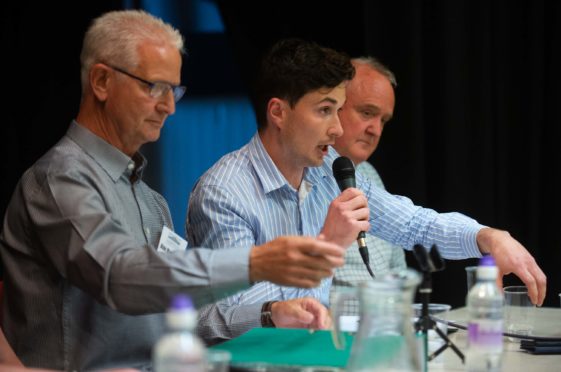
x=367, y=141
x=158, y=123
x=324, y=148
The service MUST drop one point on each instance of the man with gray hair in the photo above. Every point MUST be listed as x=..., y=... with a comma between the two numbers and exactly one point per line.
x=89, y=253
x=369, y=106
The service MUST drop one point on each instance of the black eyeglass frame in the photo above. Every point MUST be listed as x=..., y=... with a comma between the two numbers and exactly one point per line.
x=156, y=88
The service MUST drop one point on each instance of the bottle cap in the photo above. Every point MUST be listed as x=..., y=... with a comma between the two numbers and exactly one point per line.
x=182, y=313
x=181, y=301
x=487, y=260
x=487, y=270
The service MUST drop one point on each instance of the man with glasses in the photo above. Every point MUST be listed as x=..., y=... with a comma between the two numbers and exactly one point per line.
x=90, y=258
x=156, y=89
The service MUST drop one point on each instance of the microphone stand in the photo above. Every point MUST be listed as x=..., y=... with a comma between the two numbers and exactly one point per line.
x=428, y=264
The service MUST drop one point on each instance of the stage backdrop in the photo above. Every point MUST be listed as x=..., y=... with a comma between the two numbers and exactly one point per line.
x=476, y=126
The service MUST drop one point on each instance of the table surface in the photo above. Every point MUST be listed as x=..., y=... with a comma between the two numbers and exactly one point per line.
x=547, y=322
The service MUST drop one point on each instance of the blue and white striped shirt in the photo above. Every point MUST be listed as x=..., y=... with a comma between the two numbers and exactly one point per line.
x=383, y=255
x=244, y=200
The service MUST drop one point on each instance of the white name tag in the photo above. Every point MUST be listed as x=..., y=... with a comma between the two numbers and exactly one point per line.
x=171, y=242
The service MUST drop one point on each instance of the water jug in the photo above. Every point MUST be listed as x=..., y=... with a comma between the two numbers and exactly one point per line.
x=385, y=340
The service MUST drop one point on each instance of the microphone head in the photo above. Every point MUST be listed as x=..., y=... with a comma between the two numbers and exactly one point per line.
x=429, y=261
x=344, y=172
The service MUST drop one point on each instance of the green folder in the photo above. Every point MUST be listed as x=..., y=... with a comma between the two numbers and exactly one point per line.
x=286, y=347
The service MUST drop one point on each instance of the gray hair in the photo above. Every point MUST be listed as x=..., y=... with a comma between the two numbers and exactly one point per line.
x=115, y=36
x=378, y=66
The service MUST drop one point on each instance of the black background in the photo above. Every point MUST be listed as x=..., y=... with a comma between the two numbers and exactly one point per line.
x=476, y=129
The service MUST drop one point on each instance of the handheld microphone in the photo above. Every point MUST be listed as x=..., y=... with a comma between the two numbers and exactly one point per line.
x=344, y=173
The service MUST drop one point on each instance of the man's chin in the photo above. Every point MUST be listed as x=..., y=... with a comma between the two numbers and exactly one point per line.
x=317, y=162
x=153, y=136
x=362, y=156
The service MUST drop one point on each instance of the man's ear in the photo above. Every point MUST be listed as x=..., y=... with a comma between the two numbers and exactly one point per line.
x=276, y=112
x=99, y=80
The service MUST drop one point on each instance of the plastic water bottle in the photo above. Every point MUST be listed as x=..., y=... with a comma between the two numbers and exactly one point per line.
x=180, y=350
x=485, y=326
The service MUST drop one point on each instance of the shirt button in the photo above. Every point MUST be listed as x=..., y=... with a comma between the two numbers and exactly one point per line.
x=147, y=230
x=131, y=165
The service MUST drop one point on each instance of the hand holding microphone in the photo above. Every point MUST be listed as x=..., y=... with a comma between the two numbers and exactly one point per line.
x=344, y=173
x=346, y=217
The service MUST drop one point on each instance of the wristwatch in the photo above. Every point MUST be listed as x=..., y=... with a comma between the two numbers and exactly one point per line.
x=267, y=315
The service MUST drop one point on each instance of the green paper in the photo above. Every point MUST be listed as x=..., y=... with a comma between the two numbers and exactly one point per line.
x=287, y=347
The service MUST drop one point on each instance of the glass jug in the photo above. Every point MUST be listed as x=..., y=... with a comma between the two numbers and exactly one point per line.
x=385, y=340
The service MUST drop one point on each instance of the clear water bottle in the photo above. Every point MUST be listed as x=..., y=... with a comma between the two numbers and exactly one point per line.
x=180, y=350
x=485, y=326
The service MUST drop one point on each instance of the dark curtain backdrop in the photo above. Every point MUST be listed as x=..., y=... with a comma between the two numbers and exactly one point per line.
x=476, y=126
x=41, y=45
x=40, y=82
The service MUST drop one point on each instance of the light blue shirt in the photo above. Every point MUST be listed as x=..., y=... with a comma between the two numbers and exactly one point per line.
x=383, y=255
x=244, y=199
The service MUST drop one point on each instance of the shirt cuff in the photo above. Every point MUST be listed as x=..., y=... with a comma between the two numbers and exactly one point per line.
x=469, y=240
x=230, y=265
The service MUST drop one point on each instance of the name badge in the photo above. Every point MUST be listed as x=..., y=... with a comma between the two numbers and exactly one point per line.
x=171, y=242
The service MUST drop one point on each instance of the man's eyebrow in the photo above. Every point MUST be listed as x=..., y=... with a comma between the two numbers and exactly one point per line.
x=329, y=100
x=368, y=106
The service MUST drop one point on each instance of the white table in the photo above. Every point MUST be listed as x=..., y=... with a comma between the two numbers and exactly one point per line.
x=547, y=322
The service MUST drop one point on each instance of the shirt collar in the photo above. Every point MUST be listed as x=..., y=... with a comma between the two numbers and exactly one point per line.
x=111, y=159
x=270, y=176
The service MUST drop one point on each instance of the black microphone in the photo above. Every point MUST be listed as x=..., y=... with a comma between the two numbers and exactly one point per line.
x=344, y=173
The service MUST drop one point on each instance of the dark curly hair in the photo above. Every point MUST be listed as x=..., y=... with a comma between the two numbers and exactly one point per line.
x=295, y=67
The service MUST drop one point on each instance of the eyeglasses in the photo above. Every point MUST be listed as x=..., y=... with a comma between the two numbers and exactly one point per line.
x=157, y=88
